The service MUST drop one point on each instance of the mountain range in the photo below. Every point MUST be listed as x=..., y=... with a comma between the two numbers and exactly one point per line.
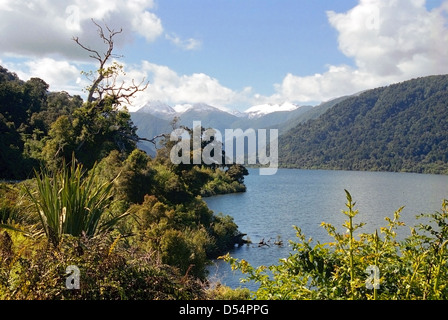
x=400, y=127
x=155, y=118
x=163, y=110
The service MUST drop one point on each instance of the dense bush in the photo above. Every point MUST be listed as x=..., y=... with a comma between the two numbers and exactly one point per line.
x=35, y=269
x=223, y=182
x=154, y=248
x=185, y=236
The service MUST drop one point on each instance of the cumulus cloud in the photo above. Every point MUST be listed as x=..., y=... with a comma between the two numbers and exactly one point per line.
x=148, y=25
x=390, y=41
x=42, y=28
x=405, y=32
x=168, y=86
x=59, y=74
x=164, y=83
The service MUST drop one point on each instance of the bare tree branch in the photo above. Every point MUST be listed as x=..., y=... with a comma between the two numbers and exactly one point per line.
x=153, y=140
x=97, y=56
x=109, y=74
x=106, y=83
x=137, y=139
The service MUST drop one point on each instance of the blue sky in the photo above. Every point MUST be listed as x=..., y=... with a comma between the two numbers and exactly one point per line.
x=232, y=53
x=252, y=42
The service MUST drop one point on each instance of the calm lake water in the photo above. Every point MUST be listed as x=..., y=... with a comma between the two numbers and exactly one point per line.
x=273, y=204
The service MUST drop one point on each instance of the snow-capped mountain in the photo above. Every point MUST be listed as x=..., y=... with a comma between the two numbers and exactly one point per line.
x=182, y=108
x=163, y=110
x=238, y=114
x=158, y=109
x=264, y=109
x=155, y=117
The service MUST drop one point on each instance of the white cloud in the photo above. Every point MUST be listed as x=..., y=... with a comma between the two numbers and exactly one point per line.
x=148, y=25
x=164, y=84
x=390, y=41
x=59, y=74
x=46, y=27
x=188, y=44
x=337, y=81
x=168, y=86
x=405, y=31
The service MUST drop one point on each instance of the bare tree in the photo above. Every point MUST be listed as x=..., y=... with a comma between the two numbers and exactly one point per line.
x=105, y=79
x=105, y=84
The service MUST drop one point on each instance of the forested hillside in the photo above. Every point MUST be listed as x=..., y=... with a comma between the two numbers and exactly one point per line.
x=401, y=127
x=27, y=111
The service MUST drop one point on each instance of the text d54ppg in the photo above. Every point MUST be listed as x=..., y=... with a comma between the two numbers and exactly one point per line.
x=225, y=309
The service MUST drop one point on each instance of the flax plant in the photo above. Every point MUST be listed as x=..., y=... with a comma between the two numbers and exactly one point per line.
x=71, y=202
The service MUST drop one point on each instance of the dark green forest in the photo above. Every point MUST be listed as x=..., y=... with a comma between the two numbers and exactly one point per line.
x=27, y=112
x=401, y=127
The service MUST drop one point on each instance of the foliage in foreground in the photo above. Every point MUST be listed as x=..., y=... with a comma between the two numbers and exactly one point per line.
x=359, y=265
x=35, y=270
x=136, y=228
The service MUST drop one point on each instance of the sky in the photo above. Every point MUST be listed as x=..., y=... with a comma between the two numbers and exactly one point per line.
x=230, y=54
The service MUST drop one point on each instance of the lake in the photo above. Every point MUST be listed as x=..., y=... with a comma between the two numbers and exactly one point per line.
x=273, y=204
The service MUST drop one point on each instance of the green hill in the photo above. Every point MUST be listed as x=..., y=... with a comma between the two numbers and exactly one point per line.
x=401, y=127
x=311, y=113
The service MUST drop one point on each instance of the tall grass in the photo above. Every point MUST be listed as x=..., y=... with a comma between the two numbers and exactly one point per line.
x=69, y=201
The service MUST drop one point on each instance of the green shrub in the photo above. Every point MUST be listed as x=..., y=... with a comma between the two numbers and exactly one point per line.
x=225, y=231
x=221, y=292
x=107, y=272
x=9, y=212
